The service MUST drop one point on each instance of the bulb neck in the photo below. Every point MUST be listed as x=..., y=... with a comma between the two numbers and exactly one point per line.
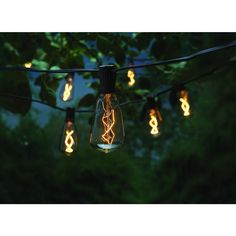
x=70, y=114
x=107, y=75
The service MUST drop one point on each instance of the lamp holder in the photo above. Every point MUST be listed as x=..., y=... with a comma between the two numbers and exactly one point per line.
x=70, y=114
x=107, y=75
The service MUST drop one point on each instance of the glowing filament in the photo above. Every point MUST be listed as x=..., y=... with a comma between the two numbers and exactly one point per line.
x=28, y=65
x=131, y=75
x=108, y=121
x=153, y=122
x=67, y=91
x=69, y=141
x=184, y=102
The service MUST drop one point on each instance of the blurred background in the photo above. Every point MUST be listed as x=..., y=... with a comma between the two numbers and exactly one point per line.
x=192, y=161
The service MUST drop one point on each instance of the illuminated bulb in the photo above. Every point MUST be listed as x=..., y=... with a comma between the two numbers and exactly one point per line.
x=68, y=89
x=108, y=129
x=131, y=76
x=69, y=141
x=153, y=123
x=154, y=115
x=184, y=102
x=155, y=119
x=28, y=65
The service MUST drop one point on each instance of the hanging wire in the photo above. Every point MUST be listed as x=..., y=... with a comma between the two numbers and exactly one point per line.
x=212, y=71
x=181, y=59
x=40, y=102
x=205, y=74
x=175, y=60
x=31, y=69
x=164, y=62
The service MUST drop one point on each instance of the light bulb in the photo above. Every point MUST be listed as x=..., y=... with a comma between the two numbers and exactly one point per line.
x=28, y=65
x=108, y=129
x=184, y=102
x=68, y=89
x=69, y=142
x=154, y=122
x=154, y=115
x=131, y=75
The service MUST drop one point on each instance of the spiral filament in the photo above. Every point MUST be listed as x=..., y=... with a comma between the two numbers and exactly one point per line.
x=67, y=92
x=153, y=122
x=184, y=102
x=108, y=120
x=131, y=75
x=28, y=65
x=69, y=141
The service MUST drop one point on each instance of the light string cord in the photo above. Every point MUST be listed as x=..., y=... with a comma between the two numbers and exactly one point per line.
x=181, y=59
x=31, y=69
x=215, y=69
x=205, y=74
x=163, y=62
x=175, y=60
x=40, y=102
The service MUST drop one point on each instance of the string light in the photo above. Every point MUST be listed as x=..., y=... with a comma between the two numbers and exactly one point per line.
x=68, y=88
x=131, y=76
x=155, y=118
x=69, y=136
x=28, y=65
x=184, y=102
x=153, y=123
x=154, y=115
x=108, y=129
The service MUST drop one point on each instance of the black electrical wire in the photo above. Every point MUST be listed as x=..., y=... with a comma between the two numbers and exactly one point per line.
x=40, y=102
x=181, y=59
x=233, y=62
x=164, y=62
x=205, y=74
x=175, y=60
x=31, y=69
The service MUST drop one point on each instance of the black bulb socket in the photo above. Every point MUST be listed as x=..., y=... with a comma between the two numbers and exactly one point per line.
x=107, y=75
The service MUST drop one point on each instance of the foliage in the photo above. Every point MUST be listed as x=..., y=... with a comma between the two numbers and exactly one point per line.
x=191, y=162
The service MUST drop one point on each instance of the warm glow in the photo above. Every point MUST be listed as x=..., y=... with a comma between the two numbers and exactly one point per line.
x=108, y=121
x=67, y=91
x=69, y=141
x=131, y=75
x=184, y=102
x=28, y=64
x=153, y=122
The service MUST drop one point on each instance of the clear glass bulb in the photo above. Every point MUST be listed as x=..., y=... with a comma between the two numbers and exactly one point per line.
x=67, y=91
x=69, y=141
x=108, y=128
x=154, y=122
x=131, y=76
x=185, y=106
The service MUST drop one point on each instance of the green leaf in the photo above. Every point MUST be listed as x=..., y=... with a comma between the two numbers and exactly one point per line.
x=142, y=92
x=59, y=75
x=40, y=64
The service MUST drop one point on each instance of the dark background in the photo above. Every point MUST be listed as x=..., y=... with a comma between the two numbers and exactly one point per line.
x=194, y=159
